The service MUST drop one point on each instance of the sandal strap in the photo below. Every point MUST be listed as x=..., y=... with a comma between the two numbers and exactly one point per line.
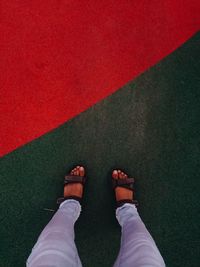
x=61, y=199
x=126, y=183
x=124, y=201
x=69, y=179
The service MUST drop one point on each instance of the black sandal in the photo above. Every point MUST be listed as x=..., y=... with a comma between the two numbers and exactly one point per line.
x=71, y=179
x=125, y=183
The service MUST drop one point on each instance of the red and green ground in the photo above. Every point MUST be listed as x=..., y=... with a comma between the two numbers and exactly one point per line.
x=149, y=127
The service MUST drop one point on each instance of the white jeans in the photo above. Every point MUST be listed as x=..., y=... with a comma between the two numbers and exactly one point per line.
x=56, y=248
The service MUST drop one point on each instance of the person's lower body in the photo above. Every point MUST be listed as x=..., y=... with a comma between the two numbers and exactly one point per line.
x=56, y=247
x=138, y=248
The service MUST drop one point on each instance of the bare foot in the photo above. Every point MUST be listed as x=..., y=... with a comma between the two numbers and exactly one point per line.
x=75, y=189
x=120, y=192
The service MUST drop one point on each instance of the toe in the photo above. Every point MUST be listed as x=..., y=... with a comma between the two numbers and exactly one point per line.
x=115, y=174
x=120, y=174
x=77, y=170
x=81, y=171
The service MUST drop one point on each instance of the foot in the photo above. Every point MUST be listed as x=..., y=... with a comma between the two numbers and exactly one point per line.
x=120, y=192
x=75, y=189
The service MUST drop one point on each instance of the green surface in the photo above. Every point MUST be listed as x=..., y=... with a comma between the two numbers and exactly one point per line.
x=150, y=128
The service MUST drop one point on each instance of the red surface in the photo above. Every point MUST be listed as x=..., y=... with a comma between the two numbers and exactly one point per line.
x=60, y=57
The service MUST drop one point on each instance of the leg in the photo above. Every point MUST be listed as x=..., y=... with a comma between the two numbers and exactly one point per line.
x=55, y=246
x=137, y=246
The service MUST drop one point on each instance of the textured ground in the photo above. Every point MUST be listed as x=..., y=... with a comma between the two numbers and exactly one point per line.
x=150, y=128
x=53, y=51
